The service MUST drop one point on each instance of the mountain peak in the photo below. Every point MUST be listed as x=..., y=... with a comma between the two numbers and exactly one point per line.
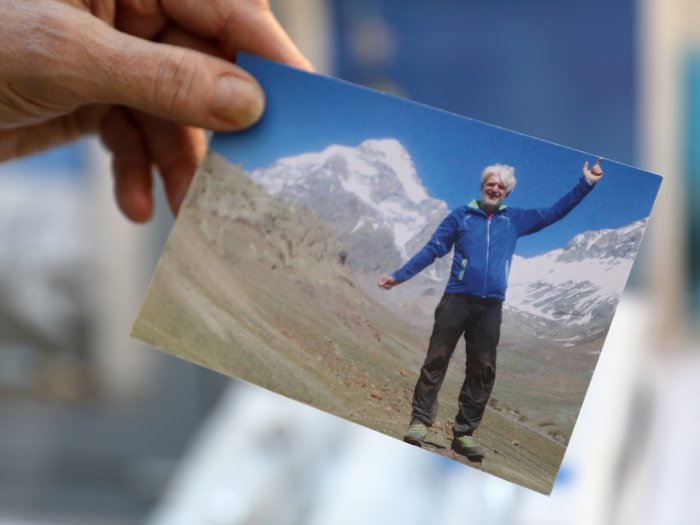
x=364, y=163
x=580, y=283
x=370, y=192
x=618, y=243
x=392, y=153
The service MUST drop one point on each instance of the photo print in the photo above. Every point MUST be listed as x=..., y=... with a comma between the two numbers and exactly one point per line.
x=440, y=280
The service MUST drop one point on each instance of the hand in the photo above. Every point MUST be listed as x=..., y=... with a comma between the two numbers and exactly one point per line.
x=144, y=74
x=387, y=282
x=594, y=174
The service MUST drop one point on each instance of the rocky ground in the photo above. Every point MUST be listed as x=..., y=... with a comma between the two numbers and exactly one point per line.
x=258, y=291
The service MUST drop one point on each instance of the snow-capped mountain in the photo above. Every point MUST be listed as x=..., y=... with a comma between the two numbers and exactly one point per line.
x=580, y=283
x=373, y=198
x=371, y=195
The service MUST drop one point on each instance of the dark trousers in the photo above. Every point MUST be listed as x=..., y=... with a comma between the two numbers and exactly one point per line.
x=479, y=320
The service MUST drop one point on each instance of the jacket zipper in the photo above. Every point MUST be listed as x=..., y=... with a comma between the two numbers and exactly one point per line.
x=488, y=244
x=464, y=265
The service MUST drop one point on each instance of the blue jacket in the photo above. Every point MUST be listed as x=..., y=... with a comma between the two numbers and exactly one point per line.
x=484, y=246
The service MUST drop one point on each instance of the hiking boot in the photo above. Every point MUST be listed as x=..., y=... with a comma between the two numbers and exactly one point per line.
x=416, y=434
x=467, y=446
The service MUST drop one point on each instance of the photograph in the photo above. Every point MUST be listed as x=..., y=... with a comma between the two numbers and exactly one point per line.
x=437, y=279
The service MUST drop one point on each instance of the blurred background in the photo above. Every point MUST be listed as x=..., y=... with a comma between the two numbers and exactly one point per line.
x=97, y=429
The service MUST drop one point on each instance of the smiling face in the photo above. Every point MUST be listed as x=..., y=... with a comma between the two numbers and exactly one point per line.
x=493, y=192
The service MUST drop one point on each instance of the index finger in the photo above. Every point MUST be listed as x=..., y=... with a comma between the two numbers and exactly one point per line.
x=238, y=25
x=598, y=161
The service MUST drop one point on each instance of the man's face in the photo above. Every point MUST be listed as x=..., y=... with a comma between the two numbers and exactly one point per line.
x=493, y=191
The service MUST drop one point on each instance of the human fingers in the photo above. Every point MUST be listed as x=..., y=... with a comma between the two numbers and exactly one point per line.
x=180, y=84
x=98, y=64
x=141, y=18
x=131, y=164
x=177, y=36
x=24, y=55
x=246, y=25
x=176, y=150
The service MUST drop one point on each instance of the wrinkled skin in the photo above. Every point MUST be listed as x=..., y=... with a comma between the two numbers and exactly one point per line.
x=143, y=74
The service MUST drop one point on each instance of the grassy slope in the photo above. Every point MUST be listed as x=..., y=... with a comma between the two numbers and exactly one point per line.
x=306, y=331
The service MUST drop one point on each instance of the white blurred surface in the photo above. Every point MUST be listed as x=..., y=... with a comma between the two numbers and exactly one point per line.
x=346, y=474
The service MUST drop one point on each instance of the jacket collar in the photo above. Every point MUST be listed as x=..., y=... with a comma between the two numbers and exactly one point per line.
x=474, y=205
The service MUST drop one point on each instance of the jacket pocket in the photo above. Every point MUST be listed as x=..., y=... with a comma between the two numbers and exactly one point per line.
x=461, y=272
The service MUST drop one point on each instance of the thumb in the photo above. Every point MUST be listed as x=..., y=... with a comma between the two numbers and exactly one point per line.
x=59, y=58
x=585, y=166
x=176, y=83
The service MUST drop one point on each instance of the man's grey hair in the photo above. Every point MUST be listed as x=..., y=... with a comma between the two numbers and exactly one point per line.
x=505, y=173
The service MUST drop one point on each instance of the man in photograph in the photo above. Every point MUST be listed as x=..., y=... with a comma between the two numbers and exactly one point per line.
x=484, y=234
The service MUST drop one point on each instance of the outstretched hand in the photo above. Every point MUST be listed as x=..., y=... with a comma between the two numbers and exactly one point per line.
x=387, y=282
x=146, y=75
x=594, y=174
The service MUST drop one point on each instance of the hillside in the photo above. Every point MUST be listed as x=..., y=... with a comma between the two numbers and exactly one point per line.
x=259, y=289
x=559, y=304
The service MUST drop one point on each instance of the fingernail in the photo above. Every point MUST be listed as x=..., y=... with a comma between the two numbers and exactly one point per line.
x=238, y=101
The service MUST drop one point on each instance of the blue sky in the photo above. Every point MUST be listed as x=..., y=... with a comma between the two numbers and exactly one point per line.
x=309, y=112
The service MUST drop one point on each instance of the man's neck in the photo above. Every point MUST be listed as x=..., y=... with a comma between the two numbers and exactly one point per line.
x=488, y=209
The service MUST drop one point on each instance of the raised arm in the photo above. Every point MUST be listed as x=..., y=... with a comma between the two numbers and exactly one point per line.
x=531, y=221
x=439, y=244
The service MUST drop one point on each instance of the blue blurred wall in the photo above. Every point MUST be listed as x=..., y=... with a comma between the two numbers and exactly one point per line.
x=560, y=70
